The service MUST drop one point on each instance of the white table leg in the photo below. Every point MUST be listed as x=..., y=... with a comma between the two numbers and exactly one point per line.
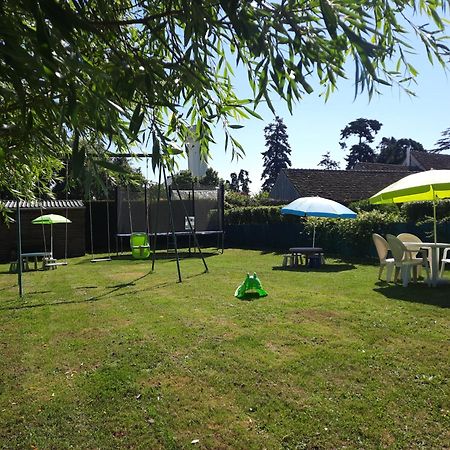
x=434, y=265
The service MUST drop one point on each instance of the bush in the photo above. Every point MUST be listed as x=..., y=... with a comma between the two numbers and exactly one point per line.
x=352, y=236
x=237, y=199
x=256, y=215
x=422, y=212
x=365, y=205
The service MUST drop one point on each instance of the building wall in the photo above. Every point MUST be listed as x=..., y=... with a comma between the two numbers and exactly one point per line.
x=283, y=189
x=33, y=235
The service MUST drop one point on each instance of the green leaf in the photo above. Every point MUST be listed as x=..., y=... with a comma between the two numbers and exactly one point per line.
x=156, y=152
x=329, y=17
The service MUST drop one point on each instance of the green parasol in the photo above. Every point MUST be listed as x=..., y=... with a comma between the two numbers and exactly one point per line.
x=50, y=219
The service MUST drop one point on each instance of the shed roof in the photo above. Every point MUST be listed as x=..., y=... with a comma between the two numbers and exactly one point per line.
x=343, y=186
x=44, y=204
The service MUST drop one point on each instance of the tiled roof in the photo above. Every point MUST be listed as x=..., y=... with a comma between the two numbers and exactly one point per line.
x=45, y=204
x=343, y=186
x=381, y=167
x=429, y=160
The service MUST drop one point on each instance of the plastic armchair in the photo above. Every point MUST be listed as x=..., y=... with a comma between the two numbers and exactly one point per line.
x=382, y=249
x=404, y=262
x=445, y=260
x=409, y=237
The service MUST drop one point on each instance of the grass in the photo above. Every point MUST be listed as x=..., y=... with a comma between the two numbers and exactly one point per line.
x=108, y=355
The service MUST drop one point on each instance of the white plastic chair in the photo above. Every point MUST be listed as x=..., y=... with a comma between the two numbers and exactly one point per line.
x=409, y=237
x=404, y=262
x=445, y=260
x=382, y=249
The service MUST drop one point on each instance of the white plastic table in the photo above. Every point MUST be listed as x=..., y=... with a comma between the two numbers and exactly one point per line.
x=435, y=248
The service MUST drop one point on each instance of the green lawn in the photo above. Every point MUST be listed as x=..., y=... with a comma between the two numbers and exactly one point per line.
x=108, y=355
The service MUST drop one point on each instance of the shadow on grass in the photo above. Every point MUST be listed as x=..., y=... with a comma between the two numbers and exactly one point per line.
x=251, y=296
x=416, y=293
x=114, y=291
x=326, y=268
x=161, y=256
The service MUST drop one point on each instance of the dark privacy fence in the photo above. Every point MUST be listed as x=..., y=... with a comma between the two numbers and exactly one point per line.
x=281, y=236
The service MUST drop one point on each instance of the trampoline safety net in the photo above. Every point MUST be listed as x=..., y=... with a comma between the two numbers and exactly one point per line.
x=204, y=205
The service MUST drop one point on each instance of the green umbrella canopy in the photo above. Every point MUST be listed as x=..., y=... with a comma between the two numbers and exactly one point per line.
x=429, y=185
x=50, y=219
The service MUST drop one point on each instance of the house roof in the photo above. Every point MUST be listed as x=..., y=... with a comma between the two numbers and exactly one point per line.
x=381, y=167
x=427, y=160
x=343, y=186
x=45, y=204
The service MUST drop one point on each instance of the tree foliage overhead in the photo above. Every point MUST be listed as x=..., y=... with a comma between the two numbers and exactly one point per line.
x=276, y=157
x=141, y=71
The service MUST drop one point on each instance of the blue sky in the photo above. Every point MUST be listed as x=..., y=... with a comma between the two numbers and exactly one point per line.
x=314, y=127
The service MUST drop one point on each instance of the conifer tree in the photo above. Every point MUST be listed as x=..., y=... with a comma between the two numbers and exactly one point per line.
x=276, y=157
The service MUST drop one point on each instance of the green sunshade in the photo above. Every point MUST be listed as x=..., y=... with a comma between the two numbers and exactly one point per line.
x=431, y=185
x=50, y=219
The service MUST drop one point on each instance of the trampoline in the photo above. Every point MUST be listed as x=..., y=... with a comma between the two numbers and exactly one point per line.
x=138, y=210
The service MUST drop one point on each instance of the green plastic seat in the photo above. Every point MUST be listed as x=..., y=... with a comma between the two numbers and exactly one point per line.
x=140, y=247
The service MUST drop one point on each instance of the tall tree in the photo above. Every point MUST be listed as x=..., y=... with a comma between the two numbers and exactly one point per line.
x=244, y=182
x=393, y=151
x=211, y=178
x=240, y=182
x=234, y=182
x=444, y=142
x=137, y=70
x=328, y=163
x=365, y=130
x=276, y=157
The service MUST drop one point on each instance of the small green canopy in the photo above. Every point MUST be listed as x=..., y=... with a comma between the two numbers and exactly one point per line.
x=50, y=219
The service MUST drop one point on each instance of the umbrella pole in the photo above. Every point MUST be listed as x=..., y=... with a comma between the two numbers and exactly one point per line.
x=434, y=221
x=19, y=249
x=314, y=236
x=51, y=240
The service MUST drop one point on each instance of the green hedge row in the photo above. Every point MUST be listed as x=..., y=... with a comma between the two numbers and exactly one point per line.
x=255, y=215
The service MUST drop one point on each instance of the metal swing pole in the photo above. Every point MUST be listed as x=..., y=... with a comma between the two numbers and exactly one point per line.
x=19, y=250
x=156, y=218
x=192, y=230
x=172, y=225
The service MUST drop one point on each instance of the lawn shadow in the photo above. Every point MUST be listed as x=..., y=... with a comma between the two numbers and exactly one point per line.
x=416, y=293
x=326, y=268
x=113, y=291
x=251, y=296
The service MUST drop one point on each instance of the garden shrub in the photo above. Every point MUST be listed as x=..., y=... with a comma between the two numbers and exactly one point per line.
x=422, y=212
x=256, y=215
x=365, y=205
x=237, y=199
x=352, y=236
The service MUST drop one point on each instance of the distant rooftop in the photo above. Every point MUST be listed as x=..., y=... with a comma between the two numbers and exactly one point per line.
x=344, y=186
x=44, y=204
x=427, y=160
x=380, y=167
